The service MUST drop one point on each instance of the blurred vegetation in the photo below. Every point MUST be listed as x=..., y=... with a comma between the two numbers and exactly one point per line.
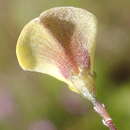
x=33, y=101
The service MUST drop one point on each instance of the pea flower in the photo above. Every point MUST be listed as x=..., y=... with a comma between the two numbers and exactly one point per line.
x=61, y=43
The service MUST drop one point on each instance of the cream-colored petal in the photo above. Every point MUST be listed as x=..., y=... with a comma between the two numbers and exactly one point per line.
x=60, y=42
x=75, y=29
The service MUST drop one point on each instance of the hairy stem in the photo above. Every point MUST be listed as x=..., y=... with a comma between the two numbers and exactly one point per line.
x=80, y=84
x=101, y=110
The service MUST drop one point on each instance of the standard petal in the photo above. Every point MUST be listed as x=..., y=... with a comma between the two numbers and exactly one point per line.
x=61, y=43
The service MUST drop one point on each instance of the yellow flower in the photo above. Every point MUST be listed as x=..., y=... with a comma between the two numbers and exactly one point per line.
x=61, y=43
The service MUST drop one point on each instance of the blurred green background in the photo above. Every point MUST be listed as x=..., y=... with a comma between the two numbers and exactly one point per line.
x=33, y=101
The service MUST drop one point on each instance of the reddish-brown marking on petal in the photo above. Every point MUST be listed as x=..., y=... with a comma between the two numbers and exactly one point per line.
x=79, y=51
x=58, y=58
x=71, y=54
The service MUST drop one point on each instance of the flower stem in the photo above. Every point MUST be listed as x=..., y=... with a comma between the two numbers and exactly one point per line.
x=101, y=110
x=80, y=83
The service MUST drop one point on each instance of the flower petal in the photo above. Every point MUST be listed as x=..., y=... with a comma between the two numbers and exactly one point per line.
x=60, y=42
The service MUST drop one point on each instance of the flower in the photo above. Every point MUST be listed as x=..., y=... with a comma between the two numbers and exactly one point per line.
x=61, y=43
